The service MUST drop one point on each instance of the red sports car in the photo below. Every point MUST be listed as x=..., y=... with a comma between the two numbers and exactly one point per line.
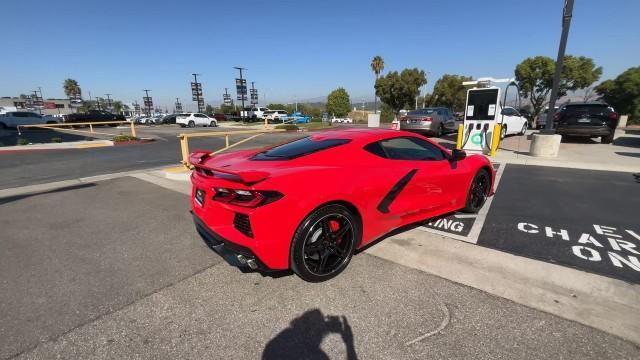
x=307, y=205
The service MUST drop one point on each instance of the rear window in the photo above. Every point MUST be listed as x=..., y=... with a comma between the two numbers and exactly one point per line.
x=298, y=148
x=586, y=108
x=421, y=112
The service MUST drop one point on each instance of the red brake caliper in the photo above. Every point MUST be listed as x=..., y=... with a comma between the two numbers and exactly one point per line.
x=334, y=226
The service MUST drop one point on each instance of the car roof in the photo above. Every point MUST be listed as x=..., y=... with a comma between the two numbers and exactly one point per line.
x=361, y=135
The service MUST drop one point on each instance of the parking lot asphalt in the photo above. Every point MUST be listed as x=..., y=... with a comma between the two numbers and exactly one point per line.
x=71, y=255
x=28, y=168
x=578, y=218
x=115, y=269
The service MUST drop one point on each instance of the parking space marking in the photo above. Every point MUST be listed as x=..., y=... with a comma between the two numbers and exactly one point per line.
x=460, y=226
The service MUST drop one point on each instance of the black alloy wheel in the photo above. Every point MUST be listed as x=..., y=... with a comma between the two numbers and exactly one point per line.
x=324, y=243
x=478, y=192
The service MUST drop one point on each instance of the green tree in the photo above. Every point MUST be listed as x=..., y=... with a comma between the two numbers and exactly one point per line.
x=377, y=66
x=71, y=88
x=276, y=106
x=226, y=109
x=535, y=78
x=449, y=91
x=623, y=93
x=338, y=102
x=400, y=89
x=208, y=109
x=117, y=107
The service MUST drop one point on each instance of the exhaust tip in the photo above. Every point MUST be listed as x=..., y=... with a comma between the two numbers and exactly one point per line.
x=242, y=259
x=252, y=264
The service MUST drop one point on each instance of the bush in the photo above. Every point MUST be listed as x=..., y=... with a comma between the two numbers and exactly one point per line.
x=56, y=140
x=121, y=138
x=288, y=127
x=23, y=141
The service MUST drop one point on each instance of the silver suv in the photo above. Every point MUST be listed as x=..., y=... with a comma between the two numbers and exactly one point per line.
x=434, y=120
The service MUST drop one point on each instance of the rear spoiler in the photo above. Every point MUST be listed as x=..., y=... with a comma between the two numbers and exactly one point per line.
x=246, y=176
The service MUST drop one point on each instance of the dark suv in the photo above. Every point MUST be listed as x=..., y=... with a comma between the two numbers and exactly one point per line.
x=587, y=119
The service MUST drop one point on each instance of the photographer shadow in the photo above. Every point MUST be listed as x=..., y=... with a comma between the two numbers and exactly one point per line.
x=303, y=338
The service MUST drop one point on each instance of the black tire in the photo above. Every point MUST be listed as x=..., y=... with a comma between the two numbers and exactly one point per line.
x=478, y=191
x=192, y=124
x=503, y=132
x=607, y=139
x=524, y=129
x=3, y=126
x=213, y=124
x=440, y=131
x=315, y=257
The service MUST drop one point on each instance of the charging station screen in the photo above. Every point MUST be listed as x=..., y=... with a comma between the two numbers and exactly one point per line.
x=481, y=103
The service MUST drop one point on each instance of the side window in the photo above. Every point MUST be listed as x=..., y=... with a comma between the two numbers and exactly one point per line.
x=406, y=148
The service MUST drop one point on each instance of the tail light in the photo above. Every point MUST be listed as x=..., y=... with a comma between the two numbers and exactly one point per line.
x=613, y=115
x=245, y=198
x=429, y=118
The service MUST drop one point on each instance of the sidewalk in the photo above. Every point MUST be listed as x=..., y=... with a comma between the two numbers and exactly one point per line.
x=623, y=155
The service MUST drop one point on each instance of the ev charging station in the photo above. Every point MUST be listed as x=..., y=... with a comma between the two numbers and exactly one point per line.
x=480, y=132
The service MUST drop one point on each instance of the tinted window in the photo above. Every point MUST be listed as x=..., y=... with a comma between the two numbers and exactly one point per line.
x=406, y=148
x=586, y=108
x=421, y=112
x=509, y=111
x=298, y=148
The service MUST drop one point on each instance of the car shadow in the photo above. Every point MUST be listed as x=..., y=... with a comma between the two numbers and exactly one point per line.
x=627, y=141
x=631, y=154
x=9, y=199
x=303, y=338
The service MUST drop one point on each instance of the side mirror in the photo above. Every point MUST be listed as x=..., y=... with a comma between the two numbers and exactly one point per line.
x=458, y=154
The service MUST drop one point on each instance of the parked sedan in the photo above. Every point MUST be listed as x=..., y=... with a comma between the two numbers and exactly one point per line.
x=435, y=121
x=512, y=122
x=298, y=118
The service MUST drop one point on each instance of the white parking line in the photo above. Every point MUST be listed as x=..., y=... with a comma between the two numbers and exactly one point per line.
x=480, y=217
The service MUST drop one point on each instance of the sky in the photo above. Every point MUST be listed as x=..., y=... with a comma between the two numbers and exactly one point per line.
x=292, y=49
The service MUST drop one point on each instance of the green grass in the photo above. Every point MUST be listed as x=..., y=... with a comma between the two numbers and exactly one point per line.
x=23, y=141
x=316, y=126
x=121, y=138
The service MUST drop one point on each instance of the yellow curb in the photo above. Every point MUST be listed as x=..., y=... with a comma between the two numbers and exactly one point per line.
x=84, y=146
x=176, y=169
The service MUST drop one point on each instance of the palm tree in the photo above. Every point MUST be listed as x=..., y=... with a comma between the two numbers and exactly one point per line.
x=377, y=65
x=71, y=88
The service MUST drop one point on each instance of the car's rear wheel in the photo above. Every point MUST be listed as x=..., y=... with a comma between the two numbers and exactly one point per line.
x=503, y=132
x=478, y=191
x=607, y=139
x=440, y=130
x=324, y=243
x=192, y=124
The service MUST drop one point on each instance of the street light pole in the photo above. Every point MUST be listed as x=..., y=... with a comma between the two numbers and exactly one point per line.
x=108, y=101
x=147, y=103
x=566, y=23
x=242, y=92
x=195, y=80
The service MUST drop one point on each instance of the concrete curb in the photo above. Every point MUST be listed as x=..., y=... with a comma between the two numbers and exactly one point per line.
x=603, y=303
x=56, y=146
x=177, y=173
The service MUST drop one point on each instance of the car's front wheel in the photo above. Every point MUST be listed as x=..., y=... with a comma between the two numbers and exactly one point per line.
x=324, y=243
x=607, y=139
x=503, y=132
x=478, y=191
x=192, y=124
x=213, y=124
x=524, y=129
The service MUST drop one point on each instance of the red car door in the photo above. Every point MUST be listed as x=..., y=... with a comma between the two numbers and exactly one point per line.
x=430, y=184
